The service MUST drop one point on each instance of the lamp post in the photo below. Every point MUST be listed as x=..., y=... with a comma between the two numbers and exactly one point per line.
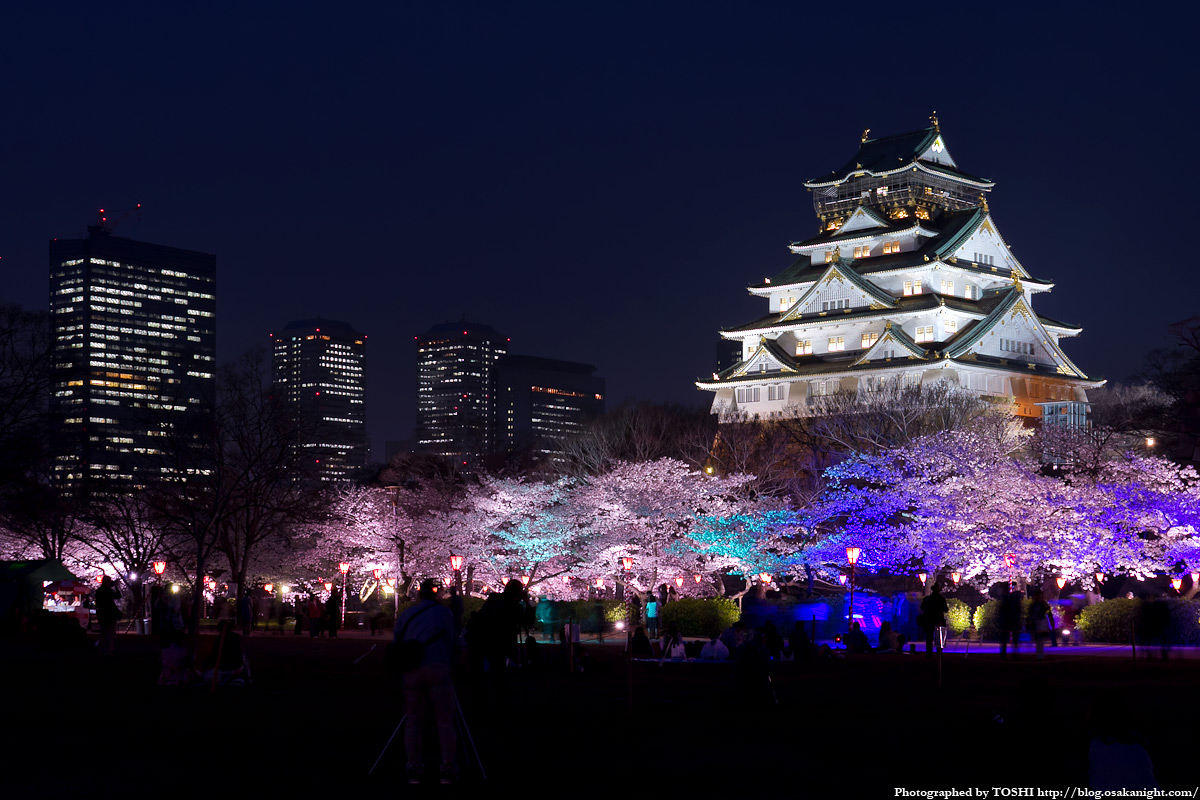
x=343, y=568
x=852, y=554
x=456, y=563
x=1176, y=583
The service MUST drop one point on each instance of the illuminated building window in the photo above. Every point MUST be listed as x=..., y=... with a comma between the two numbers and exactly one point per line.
x=947, y=287
x=891, y=247
x=912, y=287
x=804, y=347
x=925, y=333
x=828, y=256
x=869, y=339
x=837, y=343
x=862, y=251
x=951, y=326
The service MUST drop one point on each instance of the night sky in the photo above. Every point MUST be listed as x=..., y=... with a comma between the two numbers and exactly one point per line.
x=597, y=181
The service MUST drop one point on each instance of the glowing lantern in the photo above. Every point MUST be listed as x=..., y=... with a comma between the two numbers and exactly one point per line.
x=1195, y=578
x=160, y=567
x=852, y=554
x=283, y=589
x=391, y=582
x=627, y=563
x=446, y=580
x=1061, y=581
x=343, y=567
x=679, y=581
x=956, y=577
x=599, y=583
x=328, y=586
x=566, y=579
x=842, y=578
x=1176, y=583
x=456, y=562
x=212, y=586
x=765, y=577
x=376, y=573
x=922, y=577
x=525, y=580
x=1099, y=577
x=697, y=577
x=268, y=588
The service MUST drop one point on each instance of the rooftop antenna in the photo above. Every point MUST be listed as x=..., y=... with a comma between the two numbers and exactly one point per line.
x=106, y=222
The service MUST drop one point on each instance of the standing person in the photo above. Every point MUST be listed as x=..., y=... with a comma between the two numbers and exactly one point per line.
x=107, y=615
x=598, y=615
x=428, y=690
x=332, y=610
x=1039, y=622
x=245, y=612
x=315, y=613
x=299, y=608
x=652, y=616
x=933, y=616
x=1009, y=618
x=491, y=638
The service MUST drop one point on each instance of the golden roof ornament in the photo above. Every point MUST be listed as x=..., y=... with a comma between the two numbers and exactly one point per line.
x=866, y=134
x=983, y=202
x=934, y=120
x=837, y=254
x=1016, y=279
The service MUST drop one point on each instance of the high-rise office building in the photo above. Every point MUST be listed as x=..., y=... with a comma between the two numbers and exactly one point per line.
x=134, y=346
x=543, y=402
x=319, y=371
x=456, y=408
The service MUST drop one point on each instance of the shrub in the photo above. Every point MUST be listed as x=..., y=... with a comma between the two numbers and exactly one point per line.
x=1112, y=620
x=694, y=616
x=987, y=621
x=958, y=616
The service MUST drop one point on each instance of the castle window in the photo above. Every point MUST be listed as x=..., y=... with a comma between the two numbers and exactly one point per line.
x=911, y=288
x=828, y=256
x=837, y=343
x=951, y=326
x=925, y=333
x=947, y=287
x=891, y=247
x=862, y=251
x=869, y=339
x=985, y=260
x=776, y=392
x=804, y=347
x=971, y=292
x=833, y=305
x=786, y=302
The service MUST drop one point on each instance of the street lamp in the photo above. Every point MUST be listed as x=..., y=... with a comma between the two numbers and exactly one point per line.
x=269, y=588
x=1150, y=441
x=842, y=579
x=697, y=577
x=852, y=554
x=679, y=581
x=525, y=580
x=922, y=577
x=1099, y=577
x=159, y=567
x=376, y=574
x=1061, y=581
x=1176, y=583
x=456, y=562
x=343, y=568
x=627, y=563
x=329, y=586
x=956, y=577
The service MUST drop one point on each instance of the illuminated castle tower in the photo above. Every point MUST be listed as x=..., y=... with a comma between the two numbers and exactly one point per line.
x=908, y=281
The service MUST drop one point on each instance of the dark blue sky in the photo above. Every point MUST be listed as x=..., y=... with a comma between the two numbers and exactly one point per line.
x=597, y=181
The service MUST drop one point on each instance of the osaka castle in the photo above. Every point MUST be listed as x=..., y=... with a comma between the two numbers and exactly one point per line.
x=909, y=281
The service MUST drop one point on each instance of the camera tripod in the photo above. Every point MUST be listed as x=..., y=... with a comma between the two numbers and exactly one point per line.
x=464, y=729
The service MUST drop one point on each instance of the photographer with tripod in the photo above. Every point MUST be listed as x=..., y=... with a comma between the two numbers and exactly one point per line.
x=423, y=652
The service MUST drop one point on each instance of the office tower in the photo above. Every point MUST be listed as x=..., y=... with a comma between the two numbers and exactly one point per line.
x=456, y=408
x=319, y=371
x=134, y=347
x=543, y=402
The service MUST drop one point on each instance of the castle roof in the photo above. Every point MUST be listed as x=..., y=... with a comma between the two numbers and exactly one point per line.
x=890, y=154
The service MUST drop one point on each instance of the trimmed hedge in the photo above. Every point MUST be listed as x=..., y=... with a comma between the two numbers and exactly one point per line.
x=987, y=620
x=694, y=616
x=1112, y=620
